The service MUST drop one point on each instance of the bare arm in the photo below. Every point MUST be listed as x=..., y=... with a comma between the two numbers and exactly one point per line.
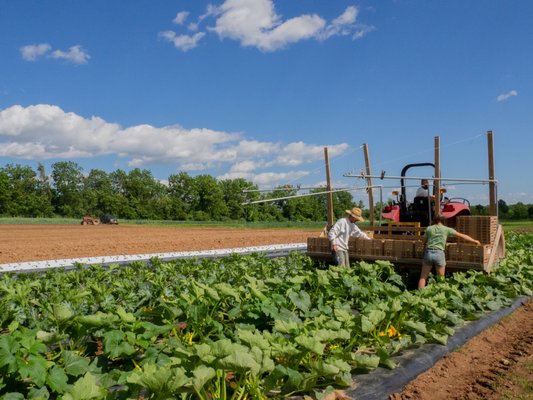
x=467, y=238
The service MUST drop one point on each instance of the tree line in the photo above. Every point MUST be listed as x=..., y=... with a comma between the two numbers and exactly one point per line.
x=70, y=192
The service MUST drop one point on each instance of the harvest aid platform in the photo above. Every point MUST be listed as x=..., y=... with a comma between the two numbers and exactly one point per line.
x=402, y=245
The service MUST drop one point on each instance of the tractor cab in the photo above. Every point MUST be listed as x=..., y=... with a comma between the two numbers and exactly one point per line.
x=421, y=208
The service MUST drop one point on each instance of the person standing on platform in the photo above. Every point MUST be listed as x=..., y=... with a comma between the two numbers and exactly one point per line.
x=435, y=239
x=341, y=232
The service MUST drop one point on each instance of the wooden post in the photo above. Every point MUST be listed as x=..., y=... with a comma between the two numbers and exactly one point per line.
x=328, y=188
x=436, y=182
x=369, y=184
x=492, y=185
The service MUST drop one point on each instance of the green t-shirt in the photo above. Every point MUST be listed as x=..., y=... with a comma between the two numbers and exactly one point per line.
x=437, y=235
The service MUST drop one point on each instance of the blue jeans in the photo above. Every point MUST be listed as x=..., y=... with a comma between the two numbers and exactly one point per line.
x=435, y=258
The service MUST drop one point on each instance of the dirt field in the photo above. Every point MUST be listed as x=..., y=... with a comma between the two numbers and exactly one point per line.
x=49, y=242
x=497, y=364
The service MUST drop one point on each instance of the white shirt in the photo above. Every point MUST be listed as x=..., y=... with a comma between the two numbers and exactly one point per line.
x=421, y=192
x=341, y=232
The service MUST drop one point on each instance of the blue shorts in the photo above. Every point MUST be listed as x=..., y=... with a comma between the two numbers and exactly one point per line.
x=435, y=258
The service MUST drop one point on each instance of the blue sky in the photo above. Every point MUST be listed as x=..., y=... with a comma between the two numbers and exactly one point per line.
x=257, y=88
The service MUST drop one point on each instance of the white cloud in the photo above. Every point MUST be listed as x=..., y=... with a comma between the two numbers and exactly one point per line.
x=182, y=42
x=299, y=153
x=507, y=96
x=181, y=17
x=33, y=51
x=272, y=179
x=255, y=23
x=45, y=131
x=342, y=25
x=362, y=31
x=75, y=54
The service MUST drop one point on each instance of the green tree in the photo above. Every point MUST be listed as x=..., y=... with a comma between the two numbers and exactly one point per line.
x=479, y=209
x=143, y=193
x=68, y=179
x=518, y=211
x=24, y=195
x=503, y=208
x=183, y=195
x=210, y=198
x=232, y=192
x=5, y=193
x=98, y=194
x=343, y=201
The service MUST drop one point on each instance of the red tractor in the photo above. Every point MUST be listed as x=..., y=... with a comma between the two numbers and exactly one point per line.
x=421, y=209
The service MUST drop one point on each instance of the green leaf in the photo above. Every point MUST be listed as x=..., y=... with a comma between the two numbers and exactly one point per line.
x=47, y=337
x=62, y=312
x=152, y=330
x=8, y=348
x=301, y=300
x=75, y=365
x=57, y=379
x=370, y=322
x=151, y=377
x=240, y=361
x=126, y=317
x=283, y=326
x=325, y=369
x=115, y=343
x=160, y=380
x=364, y=361
x=39, y=394
x=34, y=368
x=227, y=291
x=253, y=339
x=202, y=375
x=85, y=388
x=30, y=343
x=97, y=320
x=13, y=396
x=310, y=343
x=415, y=326
x=442, y=339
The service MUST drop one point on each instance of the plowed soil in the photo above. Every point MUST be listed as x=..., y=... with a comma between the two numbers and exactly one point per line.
x=496, y=364
x=50, y=242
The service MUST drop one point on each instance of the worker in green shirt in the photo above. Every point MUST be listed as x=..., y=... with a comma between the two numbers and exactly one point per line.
x=435, y=242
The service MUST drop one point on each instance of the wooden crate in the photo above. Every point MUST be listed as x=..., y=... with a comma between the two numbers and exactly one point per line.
x=318, y=245
x=372, y=247
x=418, y=249
x=356, y=247
x=398, y=248
x=480, y=227
x=463, y=252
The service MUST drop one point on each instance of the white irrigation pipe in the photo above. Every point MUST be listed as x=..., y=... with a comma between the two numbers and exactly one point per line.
x=310, y=194
x=36, y=266
x=422, y=177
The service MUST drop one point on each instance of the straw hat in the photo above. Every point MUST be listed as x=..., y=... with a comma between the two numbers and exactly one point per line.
x=356, y=213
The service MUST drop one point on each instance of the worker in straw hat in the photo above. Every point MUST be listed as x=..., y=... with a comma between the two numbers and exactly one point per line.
x=341, y=232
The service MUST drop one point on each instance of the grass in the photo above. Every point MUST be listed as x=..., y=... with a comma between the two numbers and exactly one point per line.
x=521, y=387
x=522, y=225
x=185, y=224
x=508, y=225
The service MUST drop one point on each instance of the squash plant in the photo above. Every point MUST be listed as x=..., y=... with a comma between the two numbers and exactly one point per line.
x=234, y=328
